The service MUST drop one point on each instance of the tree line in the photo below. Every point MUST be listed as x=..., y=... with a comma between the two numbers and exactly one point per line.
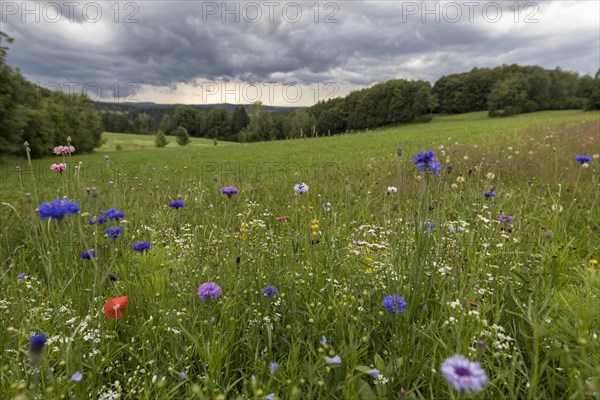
x=46, y=118
x=42, y=118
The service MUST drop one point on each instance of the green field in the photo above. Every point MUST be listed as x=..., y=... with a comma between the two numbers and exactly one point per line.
x=519, y=297
x=129, y=141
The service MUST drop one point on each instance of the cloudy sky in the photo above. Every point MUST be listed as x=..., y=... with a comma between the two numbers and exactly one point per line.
x=284, y=52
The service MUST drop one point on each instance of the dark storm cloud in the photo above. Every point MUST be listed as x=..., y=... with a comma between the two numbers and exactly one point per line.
x=183, y=42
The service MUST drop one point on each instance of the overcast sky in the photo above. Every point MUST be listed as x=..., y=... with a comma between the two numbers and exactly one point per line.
x=185, y=51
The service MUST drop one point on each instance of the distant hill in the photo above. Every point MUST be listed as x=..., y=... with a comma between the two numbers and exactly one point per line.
x=131, y=106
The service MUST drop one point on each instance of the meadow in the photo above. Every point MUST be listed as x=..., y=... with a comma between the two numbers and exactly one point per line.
x=493, y=258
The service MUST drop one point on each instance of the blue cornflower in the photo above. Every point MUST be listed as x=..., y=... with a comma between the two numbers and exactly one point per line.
x=77, y=376
x=426, y=161
x=269, y=291
x=87, y=255
x=583, y=159
x=37, y=342
x=58, y=209
x=301, y=188
x=141, y=246
x=21, y=277
x=114, y=214
x=394, y=303
x=274, y=366
x=177, y=204
x=331, y=361
x=489, y=193
x=100, y=220
x=114, y=231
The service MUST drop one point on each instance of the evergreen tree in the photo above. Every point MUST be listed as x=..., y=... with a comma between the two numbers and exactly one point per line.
x=182, y=136
x=160, y=139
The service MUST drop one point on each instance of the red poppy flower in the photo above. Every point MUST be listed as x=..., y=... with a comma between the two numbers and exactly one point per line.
x=114, y=308
x=281, y=219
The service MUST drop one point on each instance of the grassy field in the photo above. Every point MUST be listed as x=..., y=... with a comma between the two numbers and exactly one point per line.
x=129, y=141
x=519, y=296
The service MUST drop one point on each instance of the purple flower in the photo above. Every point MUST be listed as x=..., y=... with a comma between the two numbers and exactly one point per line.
x=274, y=367
x=464, y=374
x=37, y=342
x=21, y=277
x=229, y=191
x=112, y=277
x=177, y=204
x=114, y=214
x=489, y=193
x=269, y=291
x=58, y=209
x=209, y=290
x=87, y=255
x=583, y=159
x=505, y=218
x=323, y=341
x=426, y=161
x=77, y=376
x=270, y=396
x=394, y=303
x=183, y=374
x=327, y=206
x=301, y=188
x=141, y=246
x=375, y=373
x=114, y=231
x=331, y=361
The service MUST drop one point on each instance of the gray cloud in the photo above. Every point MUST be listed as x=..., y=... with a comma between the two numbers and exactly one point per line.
x=177, y=42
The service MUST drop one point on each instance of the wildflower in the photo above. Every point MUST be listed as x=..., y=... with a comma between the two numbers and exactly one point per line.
x=37, y=341
x=394, y=303
x=281, y=219
x=269, y=291
x=489, y=193
x=505, y=218
x=58, y=167
x=583, y=159
x=464, y=374
x=87, y=255
x=100, y=220
x=62, y=150
x=177, y=204
x=114, y=308
x=77, y=376
x=229, y=191
x=392, y=189
x=141, y=246
x=331, y=361
x=327, y=206
x=426, y=161
x=112, y=277
x=274, y=367
x=183, y=374
x=375, y=373
x=114, y=231
x=113, y=214
x=301, y=188
x=593, y=261
x=270, y=396
x=21, y=277
x=58, y=209
x=209, y=290
x=323, y=341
